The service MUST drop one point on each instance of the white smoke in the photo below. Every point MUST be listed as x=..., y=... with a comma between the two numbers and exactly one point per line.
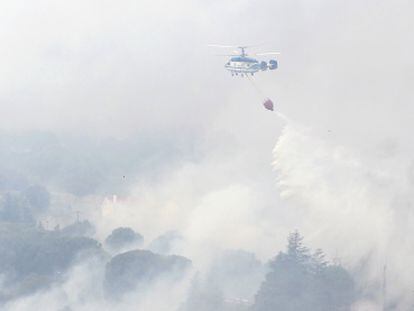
x=82, y=291
x=356, y=206
x=208, y=203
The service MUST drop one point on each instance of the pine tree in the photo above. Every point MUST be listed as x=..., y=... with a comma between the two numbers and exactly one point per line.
x=298, y=281
x=296, y=251
x=318, y=262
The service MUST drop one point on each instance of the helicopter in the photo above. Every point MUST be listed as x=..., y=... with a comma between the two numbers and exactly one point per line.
x=241, y=64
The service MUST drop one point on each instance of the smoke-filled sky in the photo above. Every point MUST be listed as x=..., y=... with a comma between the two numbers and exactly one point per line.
x=143, y=68
x=133, y=66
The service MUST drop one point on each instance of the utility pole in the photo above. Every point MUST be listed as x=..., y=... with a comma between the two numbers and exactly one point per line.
x=384, y=288
x=77, y=216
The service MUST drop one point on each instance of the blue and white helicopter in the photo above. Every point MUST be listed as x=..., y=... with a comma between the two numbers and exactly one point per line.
x=241, y=64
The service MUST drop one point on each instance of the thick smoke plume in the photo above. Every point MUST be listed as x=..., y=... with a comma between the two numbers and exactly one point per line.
x=120, y=112
x=356, y=206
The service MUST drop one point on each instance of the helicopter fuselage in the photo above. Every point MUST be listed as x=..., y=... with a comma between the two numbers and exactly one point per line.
x=244, y=65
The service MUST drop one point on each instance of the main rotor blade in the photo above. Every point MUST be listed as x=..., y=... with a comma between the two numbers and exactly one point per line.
x=250, y=46
x=235, y=46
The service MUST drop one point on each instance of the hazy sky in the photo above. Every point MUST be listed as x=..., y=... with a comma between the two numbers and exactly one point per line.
x=97, y=66
x=130, y=67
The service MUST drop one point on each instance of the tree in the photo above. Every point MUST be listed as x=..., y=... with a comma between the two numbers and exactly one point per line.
x=298, y=281
x=31, y=258
x=318, y=261
x=138, y=268
x=296, y=251
x=122, y=237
